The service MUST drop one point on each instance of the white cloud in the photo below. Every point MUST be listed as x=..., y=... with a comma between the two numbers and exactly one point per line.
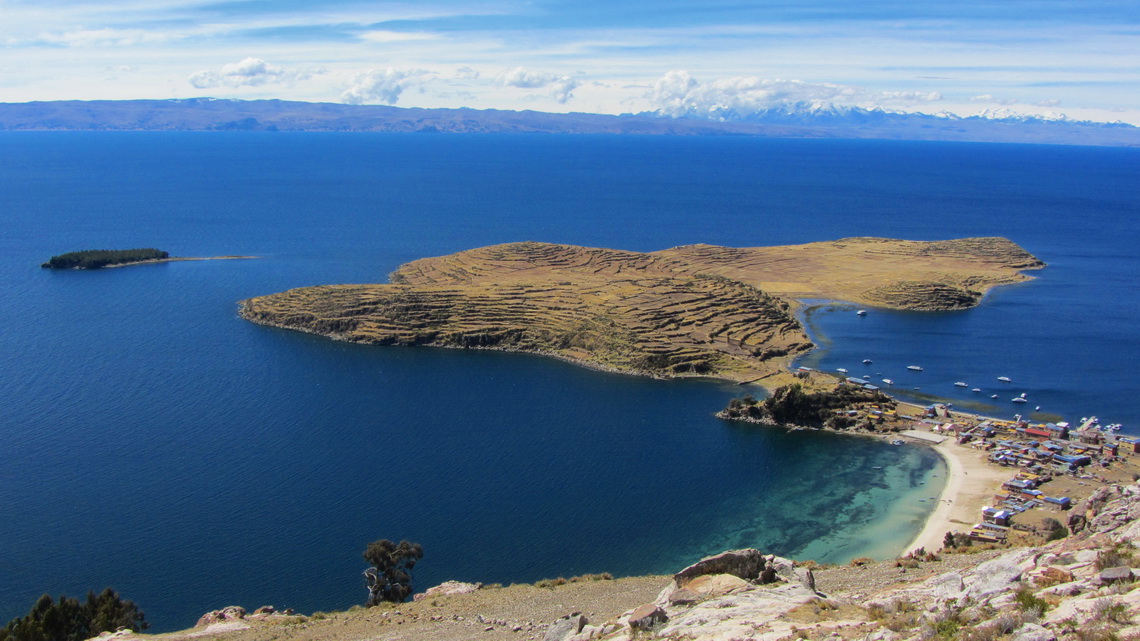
x=380, y=86
x=679, y=94
x=466, y=73
x=561, y=87
x=250, y=72
x=102, y=38
x=381, y=36
x=989, y=98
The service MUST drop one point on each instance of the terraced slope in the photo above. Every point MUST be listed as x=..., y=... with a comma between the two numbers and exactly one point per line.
x=694, y=310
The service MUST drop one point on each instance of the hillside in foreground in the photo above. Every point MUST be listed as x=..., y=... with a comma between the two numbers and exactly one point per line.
x=697, y=310
x=1078, y=588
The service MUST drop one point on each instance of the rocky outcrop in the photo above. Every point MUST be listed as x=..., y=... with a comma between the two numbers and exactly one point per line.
x=447, y=588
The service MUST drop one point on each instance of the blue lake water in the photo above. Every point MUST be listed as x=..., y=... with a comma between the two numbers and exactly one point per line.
x=153, y=441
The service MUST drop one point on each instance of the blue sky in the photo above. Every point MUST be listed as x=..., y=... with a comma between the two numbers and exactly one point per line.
x=709, y=58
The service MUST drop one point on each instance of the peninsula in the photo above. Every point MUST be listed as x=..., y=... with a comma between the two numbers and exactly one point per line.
x=696, y=310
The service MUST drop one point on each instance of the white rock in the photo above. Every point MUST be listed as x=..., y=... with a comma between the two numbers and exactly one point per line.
x=1033, y=632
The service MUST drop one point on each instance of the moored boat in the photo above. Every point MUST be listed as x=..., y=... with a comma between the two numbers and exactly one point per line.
x=914, y=368
x=960, y=384
x=1004, y=379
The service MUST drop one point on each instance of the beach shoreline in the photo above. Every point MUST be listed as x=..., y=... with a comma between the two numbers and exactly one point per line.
x=970, y=485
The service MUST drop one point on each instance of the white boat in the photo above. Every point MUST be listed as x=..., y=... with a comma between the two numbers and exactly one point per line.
x=960, y=384
x=1004, y=379
x=842, y=370
x=976, y=389
x=993, y=396
x=914, y=368
x=867, y=361
x=862, y=312
x=888, y=381
x=1020, y=400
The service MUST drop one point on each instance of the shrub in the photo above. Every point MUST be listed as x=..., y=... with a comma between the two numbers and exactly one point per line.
x=1029, y=603
x=70, y=620
x=1107, y=609
x=1055, y=530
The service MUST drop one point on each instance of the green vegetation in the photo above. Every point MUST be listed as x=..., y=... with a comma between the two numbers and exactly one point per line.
x=70, y=620
x=791, y=405
x=390, y=577
x=96, y=258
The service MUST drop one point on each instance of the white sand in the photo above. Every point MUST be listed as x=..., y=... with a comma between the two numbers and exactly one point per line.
x=970, y=486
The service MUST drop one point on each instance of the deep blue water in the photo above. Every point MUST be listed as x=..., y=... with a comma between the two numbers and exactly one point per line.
x=153, y=441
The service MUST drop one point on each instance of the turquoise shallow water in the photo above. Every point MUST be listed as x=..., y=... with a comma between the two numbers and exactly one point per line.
x=155, y=442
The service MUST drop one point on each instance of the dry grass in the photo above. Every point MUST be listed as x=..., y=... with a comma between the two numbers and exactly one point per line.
x=696, y=310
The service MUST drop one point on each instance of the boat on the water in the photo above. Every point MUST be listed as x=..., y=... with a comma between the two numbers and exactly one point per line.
x=888, y=381
x=1020, y=399
x=861, y=312
x=993, y=396
x=959, y=384
x=914, y=368
x=976, y=389
x=1004, y=379
x=867, y=361
x=842, y=370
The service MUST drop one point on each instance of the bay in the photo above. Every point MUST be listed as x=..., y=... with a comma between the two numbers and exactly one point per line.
x=154, y=441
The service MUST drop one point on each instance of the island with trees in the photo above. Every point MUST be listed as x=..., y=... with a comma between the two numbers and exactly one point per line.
x=100, y=258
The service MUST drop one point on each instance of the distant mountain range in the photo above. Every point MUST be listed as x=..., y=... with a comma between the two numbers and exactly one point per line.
x=791, y=121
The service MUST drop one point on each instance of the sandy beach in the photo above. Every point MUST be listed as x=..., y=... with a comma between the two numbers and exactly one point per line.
x=970, y=485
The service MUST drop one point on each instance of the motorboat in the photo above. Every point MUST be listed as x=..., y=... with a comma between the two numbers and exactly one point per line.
x=914, y=368
x=841, y=370
x=867, y=361
x=993, y=396
x=888, y=381
x=976, y=390
x=861, y=312
x=1019, y=399
x=1005, y=379
x=960, y=384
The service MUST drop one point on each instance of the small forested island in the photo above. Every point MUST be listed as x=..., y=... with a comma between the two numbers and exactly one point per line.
x=97, y=258
x=696, y=310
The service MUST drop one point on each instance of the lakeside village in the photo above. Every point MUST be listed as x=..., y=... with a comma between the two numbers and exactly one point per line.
x=1053, y=466
x=1056, y=464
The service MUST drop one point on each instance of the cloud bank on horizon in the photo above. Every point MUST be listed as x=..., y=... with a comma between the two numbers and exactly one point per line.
x=719, y=59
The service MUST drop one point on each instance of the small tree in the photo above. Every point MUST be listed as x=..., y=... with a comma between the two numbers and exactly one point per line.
x=390, y=577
